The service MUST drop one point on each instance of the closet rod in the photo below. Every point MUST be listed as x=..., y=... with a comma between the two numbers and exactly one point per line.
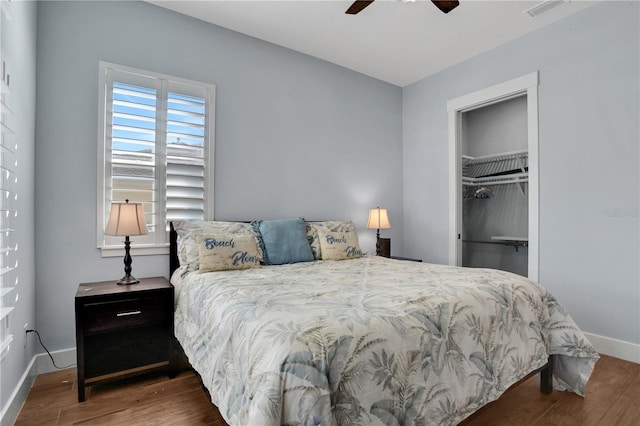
x=514, y=244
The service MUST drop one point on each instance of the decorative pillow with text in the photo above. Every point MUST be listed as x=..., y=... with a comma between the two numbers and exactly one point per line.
x=327, y=226
x=221, y=252
x=339, y=245
x=188, y=230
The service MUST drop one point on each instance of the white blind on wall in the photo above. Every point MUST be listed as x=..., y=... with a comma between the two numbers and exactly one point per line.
x=8, y=208
x=157, y=149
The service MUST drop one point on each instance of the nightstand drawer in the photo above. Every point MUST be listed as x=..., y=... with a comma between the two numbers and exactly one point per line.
x=120, y=314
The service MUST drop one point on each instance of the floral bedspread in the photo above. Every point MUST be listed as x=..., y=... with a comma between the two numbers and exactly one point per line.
x=370, y=341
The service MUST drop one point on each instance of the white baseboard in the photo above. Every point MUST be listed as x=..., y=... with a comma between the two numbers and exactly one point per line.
x=18, y=397
x=65, y=358
x=615, y=348
x=40, y=364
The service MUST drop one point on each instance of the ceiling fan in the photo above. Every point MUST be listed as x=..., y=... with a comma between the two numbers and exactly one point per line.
x=444, y=5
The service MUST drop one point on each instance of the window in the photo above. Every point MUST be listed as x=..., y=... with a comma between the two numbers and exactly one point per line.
x=155, y=148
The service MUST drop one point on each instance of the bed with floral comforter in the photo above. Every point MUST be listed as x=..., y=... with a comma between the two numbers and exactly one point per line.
x=370, y=341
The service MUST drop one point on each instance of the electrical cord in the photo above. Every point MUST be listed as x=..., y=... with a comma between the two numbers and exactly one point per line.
x=48, y=353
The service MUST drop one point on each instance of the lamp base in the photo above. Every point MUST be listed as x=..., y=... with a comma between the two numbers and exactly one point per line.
x=128, y=280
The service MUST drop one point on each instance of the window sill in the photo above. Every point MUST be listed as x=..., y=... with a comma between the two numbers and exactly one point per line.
x=118, y=251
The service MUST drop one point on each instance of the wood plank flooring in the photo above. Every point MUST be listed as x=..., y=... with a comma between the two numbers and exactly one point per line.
x=613, y=398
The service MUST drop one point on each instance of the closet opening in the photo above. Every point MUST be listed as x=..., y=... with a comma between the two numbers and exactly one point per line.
x=493, y=177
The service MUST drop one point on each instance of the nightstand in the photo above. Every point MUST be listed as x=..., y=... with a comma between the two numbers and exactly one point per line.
x=383, y=246
x=122, y=330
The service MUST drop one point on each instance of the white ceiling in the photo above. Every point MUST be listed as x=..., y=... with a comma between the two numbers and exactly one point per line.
x=394, y=41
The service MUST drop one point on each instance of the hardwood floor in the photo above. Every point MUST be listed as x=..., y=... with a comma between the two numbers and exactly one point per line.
x=613, y=398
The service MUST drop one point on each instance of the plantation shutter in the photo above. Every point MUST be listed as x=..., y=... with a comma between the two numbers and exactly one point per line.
x=133, y=147
x=185, y=180
x=156, y=150
x=8, y=211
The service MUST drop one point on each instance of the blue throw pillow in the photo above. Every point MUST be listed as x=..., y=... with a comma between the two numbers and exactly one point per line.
x=283, y=241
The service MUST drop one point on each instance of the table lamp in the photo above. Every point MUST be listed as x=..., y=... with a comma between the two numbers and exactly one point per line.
x=126, y=220
x=378, y=219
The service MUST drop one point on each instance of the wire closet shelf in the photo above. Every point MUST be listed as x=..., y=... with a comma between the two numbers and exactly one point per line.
x=498, y=169
x=503, y=168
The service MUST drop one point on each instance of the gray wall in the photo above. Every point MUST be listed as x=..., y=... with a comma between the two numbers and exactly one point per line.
x=295, y=136
x=19, y=40
x=589, y=131
x=496, y=128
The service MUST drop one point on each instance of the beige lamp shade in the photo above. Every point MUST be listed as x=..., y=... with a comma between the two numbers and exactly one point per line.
x=378, y=219
x=126, y=219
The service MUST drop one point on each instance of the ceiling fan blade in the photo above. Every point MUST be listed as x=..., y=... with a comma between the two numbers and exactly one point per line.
x=445, y=5
x=357, y=6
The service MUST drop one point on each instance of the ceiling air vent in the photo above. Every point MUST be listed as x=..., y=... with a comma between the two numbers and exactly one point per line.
x=543, y=7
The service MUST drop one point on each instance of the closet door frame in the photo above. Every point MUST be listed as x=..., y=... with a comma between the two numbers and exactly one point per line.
x=525, y=85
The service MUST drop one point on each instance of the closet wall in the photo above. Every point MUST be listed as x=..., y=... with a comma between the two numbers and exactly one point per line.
x=488, y=131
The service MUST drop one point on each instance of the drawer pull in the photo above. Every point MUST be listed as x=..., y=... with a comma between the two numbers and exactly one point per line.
x=126, y=314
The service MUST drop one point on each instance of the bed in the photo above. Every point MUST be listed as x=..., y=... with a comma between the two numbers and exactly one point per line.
x=361, y=340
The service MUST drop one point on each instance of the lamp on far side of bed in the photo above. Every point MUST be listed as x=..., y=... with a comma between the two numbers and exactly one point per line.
x=126, y=220
x=379, y=219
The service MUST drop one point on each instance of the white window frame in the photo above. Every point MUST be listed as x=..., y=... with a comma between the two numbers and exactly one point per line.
x=159, y=243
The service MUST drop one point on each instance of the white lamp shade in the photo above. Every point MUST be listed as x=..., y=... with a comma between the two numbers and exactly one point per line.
x=378, y=219
x=126, y=219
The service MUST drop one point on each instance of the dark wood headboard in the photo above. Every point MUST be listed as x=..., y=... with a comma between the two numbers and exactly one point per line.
x=174, y=263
